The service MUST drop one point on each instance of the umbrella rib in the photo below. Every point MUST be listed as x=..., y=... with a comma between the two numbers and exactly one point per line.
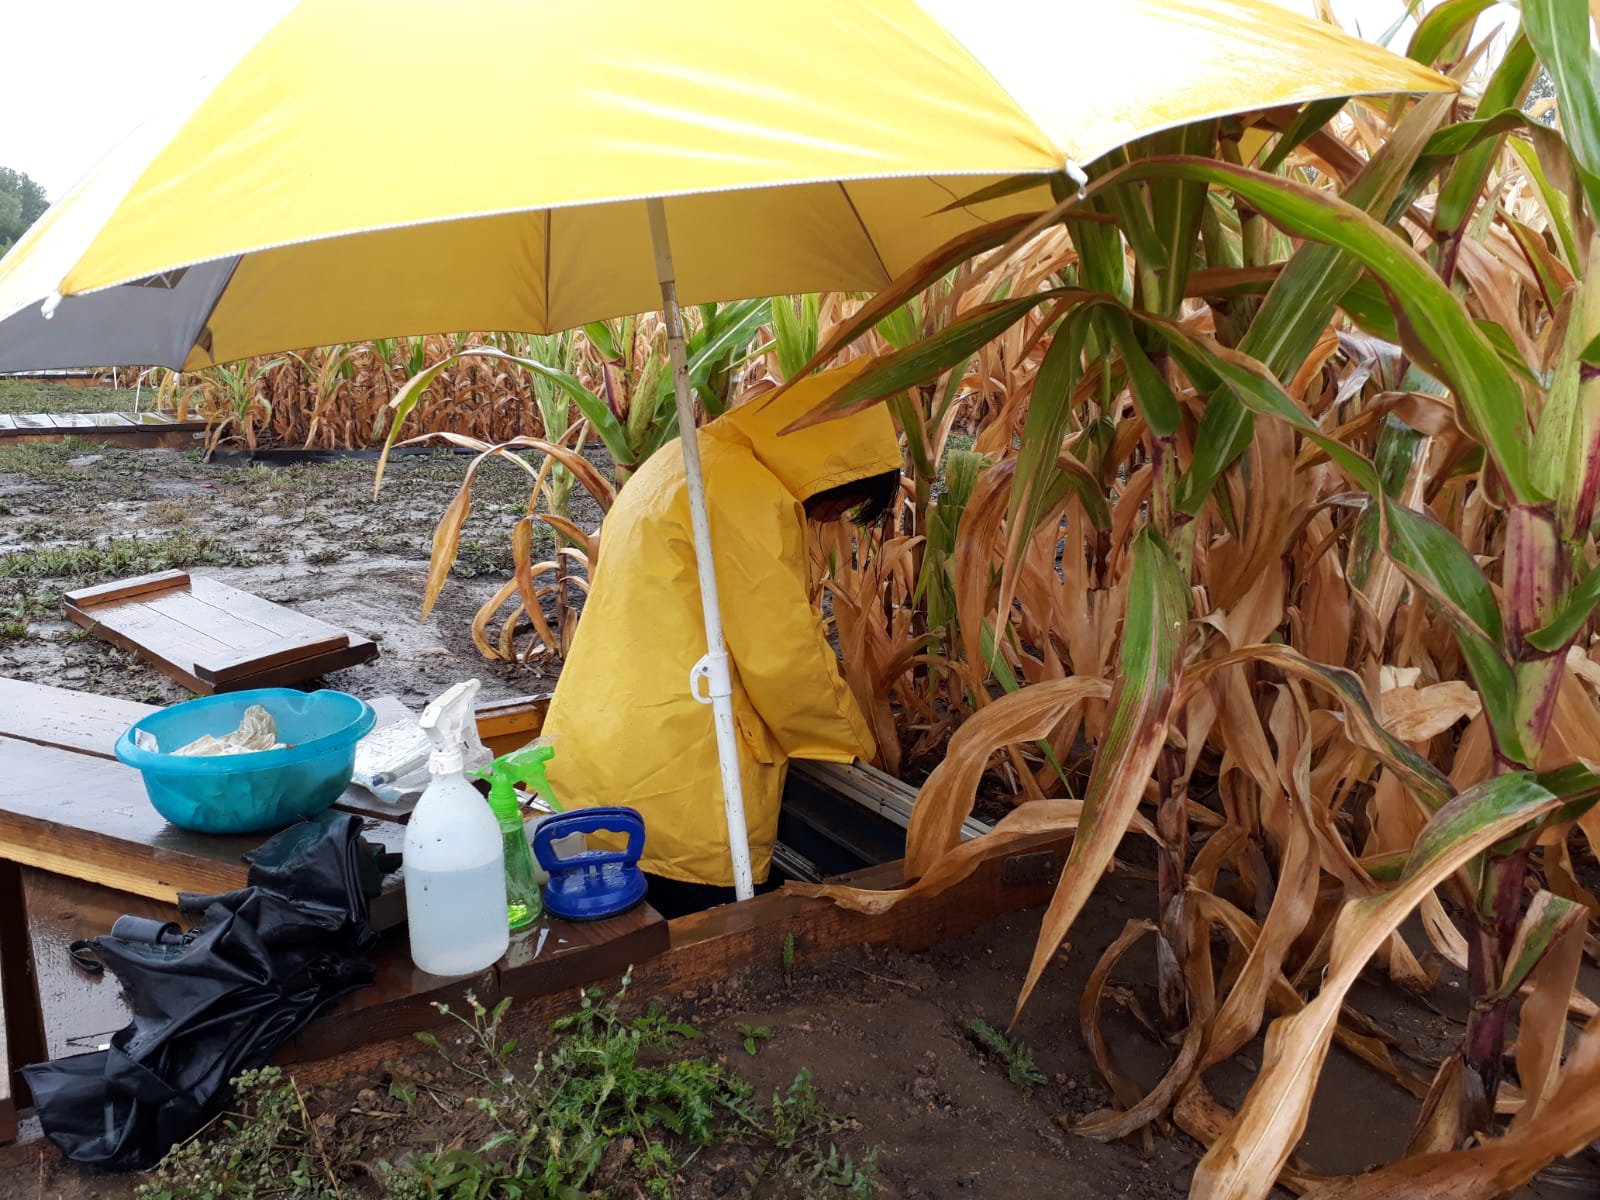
x=549, y=220
x=866, y=233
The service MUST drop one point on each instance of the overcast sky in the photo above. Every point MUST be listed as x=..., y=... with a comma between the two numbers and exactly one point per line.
x=81, y=73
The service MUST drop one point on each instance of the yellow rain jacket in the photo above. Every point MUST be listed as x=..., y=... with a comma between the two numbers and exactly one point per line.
x=625, y=728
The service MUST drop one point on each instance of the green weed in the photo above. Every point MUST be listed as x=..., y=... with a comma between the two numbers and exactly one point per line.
x=611, y=1099
x=268, y=1148
x=1014, y=1056
x=753, y=1036
x=120, y=557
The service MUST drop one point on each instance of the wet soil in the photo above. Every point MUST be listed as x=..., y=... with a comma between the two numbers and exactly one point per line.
x=309, y=536
x=886, y=1038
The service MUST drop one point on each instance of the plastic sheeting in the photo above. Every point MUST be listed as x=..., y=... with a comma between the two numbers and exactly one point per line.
x=262, y=962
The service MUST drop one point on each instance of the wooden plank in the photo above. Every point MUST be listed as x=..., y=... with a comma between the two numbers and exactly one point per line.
x=279, y=618
x=110, y=420
x=122, y=589
x=294, y=674
x=250, y=664
x=89, y=818
x=79, y=1011
x=709, y=947
x=214, y=621
x=506, y=725
x=135, y=437
x=91, y=619
x=78, y=721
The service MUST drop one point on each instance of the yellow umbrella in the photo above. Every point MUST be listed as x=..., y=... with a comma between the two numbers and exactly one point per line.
x=382, y=167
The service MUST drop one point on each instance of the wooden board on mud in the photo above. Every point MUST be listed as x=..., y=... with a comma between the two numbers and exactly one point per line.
x=210, y=637
x=80, y=1012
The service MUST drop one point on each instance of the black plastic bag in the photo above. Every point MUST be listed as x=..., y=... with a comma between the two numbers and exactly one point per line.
x=263, y=962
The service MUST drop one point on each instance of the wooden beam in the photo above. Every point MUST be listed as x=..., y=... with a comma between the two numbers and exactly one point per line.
x=21, y=1039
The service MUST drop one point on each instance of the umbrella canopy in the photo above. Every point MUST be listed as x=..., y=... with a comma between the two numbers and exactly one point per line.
x=382, y=167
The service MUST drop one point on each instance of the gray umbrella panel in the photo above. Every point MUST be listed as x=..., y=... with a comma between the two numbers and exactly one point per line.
x=155, y=321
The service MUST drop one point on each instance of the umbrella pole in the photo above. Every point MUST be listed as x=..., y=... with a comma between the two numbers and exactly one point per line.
x=713, y=668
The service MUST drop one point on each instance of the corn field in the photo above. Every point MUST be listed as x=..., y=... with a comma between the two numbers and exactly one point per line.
x=1274, y=545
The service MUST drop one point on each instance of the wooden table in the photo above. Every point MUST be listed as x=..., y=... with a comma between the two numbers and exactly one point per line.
x=80, y=845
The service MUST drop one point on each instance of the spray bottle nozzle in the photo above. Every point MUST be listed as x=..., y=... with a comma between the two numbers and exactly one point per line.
x=447, y=721
x=527, y=766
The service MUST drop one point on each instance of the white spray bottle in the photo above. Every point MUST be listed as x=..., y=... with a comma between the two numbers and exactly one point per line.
x=454, y=856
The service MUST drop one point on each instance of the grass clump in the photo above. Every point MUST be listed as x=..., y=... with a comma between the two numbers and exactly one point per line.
x=120, y=557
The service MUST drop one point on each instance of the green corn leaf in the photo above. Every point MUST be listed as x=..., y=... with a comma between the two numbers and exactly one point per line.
x=1590, y=354
x=1303, y=299
x=1209, y=365
x=1440, y=331
x=1438, y=564
x=1447, y=25
x=1306, y=122
x=1571, y=615
x=1049, y=415
x=1555, y=200
x=1398, y=451
x=604, y=338
x=1559, y=31
x=1149, y=666
x=1175, y=210
x=1458, y=194
x=1428, y=550
x=795, y=331
x=1151, y=395
x=1549, y=918
x=928, y=358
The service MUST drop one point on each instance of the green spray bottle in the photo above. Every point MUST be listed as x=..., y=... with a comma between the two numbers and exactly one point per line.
x=526, y=765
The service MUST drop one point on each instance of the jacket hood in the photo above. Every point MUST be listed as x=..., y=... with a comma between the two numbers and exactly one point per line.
x=819, y=457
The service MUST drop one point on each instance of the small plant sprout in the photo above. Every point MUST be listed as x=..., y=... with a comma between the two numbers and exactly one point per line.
x=753, y=1036
x=1014, y=1056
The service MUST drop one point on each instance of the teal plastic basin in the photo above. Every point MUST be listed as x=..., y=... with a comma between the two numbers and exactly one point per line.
x=250, y=793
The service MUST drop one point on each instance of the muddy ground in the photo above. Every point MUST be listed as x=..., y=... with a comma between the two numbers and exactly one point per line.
x=885, y=1036
x=308, y=536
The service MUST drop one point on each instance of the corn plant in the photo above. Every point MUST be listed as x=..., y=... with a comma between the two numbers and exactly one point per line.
x=1298, y=538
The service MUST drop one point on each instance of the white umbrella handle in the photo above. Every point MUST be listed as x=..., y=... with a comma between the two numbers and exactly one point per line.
x=713, y=668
